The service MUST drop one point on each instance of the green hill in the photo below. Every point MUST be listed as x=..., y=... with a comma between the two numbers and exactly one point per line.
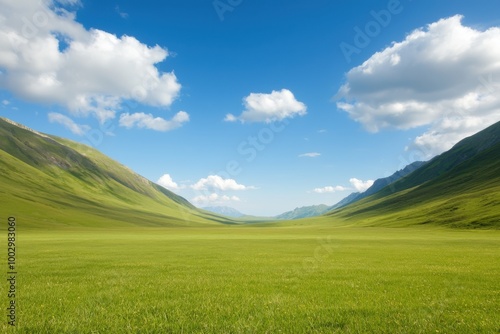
x=465, y=150
x=49, y=181
x=459, y=188
x=304, y=212
x=378, y=185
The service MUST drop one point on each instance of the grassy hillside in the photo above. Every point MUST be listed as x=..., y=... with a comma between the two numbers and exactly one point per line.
x=301, y=276
x=378, y=185
x=304, y=212
x=466, y=149
x=53, y=182
x=50, y=181
x=465, y=196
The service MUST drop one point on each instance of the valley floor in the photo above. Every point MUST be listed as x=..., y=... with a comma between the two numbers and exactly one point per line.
x=255, y=279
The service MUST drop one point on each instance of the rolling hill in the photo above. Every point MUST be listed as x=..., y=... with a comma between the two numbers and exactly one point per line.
x=304, y=212
x=48, y=181
x=378, y=185
x=317, y=210
x=459, y=188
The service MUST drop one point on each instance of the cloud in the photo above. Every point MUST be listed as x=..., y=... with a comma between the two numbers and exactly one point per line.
x=122, y=14
x=361, y=186
x=445, y=76
x=230, y=118
x=68, y=123
x=269, y=107
x=69, y=2
x=48, y=57
x=148, y=121
x=215, y=198
x=5, y=102
x=167, y=182
x=213, y=184
x=310, y=155
x=217, y=182
x=329, y=189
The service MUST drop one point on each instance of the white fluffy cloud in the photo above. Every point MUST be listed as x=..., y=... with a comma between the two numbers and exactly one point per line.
x=211, y=187
x=329, y=189
x=215, y=198
x=219, y=183
x=166, y=181
x=68, y=123
x=445, y=76
x=269, y=107
x=360, y=185
x=148, y=121
x=46, y=56
x=310, y=155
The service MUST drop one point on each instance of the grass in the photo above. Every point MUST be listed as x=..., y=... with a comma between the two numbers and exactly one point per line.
x=257, y=279
x=45, y=201
x=56, y=183
x=466, y=197
x=102, y=250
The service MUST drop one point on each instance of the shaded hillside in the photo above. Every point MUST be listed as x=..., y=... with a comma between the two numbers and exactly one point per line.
x=466, y=149
x=353, y=197
x=50, y=181
x=378, y=185
x=459, y=188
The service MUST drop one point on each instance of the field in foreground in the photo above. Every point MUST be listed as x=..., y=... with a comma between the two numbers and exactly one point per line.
x=251, y=279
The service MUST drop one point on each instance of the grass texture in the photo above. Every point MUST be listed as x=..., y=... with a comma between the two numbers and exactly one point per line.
x=253, y=279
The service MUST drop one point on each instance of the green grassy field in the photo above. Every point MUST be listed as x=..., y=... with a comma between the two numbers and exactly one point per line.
x=257, y=279
x=100, y=249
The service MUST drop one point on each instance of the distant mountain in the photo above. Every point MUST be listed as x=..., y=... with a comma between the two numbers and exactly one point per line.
x=224, y=210
x=304, y=212
x=51, y=181
x=353, y=197
x=466, y=149
x=459, y=188
x=317, y=210
x=378, y=185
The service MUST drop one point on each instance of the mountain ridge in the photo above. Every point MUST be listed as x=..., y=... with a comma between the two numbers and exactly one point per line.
x=304, y=212
x=378, y=185
x=47, y=178
x=446, y=161
x=55, y=182
x=458, y=188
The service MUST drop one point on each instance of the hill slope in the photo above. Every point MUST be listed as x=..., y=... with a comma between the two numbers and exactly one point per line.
x=317, y=210
x=378, y=185
x=466, y=149
x=459, y=188
x=304, y=212
x=49, y=181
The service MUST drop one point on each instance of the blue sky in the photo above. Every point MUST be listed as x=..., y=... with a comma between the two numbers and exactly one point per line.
x=260, y=105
